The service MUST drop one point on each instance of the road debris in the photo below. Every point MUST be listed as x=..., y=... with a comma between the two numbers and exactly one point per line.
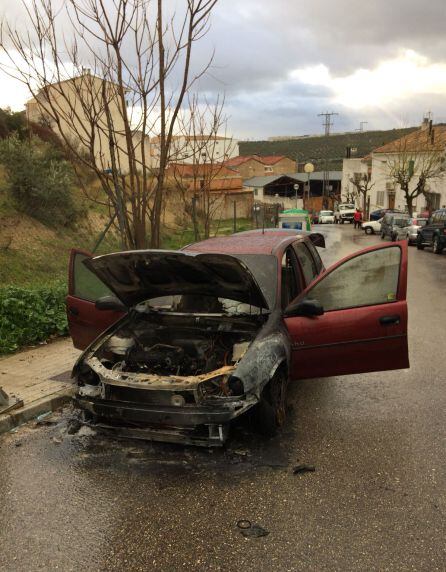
x=298, y=469
x=251, y=530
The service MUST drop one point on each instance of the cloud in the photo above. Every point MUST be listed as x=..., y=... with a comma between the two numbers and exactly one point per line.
x=281, y=63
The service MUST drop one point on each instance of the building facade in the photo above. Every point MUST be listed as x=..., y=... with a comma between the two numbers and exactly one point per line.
x=414, y=152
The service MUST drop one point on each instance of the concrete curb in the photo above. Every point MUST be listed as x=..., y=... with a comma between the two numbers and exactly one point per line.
x=32, y=410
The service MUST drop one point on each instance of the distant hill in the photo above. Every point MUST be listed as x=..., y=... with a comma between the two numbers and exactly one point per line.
x=317, y=150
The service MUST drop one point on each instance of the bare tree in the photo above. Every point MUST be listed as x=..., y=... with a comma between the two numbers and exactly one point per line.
x=363, y=185
x=107, y=76
x=413, y=161
x=202, y=181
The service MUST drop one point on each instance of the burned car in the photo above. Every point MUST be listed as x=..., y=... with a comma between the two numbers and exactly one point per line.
x=202, y=335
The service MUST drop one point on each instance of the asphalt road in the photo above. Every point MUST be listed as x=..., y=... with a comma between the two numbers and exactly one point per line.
x=376, y=500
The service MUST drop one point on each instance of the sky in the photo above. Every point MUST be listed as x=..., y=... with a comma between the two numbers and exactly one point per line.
x=280, y=63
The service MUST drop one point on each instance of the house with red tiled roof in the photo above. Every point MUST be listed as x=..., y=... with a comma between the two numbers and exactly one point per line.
x=258, y=166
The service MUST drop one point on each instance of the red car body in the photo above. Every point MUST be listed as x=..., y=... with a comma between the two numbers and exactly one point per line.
x=361, y=326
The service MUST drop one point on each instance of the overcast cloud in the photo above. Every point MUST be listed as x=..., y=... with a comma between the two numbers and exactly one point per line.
x=281, y=63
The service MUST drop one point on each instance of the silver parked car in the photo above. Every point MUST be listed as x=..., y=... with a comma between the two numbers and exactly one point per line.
x=394, y=226
x=412, y=230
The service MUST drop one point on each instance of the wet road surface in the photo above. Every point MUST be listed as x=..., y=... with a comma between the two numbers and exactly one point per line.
x=376, y=500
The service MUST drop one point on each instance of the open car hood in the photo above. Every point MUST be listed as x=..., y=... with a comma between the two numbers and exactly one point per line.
x=140, y=275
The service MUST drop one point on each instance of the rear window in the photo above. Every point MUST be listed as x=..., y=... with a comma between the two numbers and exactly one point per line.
x=326, y=213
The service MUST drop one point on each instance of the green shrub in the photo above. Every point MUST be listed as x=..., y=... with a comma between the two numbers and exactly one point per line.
x=39, y=181
x=29, y=316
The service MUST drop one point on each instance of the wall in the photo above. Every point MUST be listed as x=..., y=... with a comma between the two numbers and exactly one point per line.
x=383, y=186
x=349, y=168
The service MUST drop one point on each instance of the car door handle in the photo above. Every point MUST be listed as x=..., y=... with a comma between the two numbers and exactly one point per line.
x=73, y=310
x=387, y=320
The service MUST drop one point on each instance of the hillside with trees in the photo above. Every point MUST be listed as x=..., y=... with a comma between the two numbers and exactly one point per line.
x=319, y=149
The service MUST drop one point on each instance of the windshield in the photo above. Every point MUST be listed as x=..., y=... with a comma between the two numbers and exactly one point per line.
x=401, y=222
x=263, y=267
x=326, y=213
x=346, y=207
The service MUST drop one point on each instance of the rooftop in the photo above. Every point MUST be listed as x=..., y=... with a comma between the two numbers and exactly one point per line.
x=251, y=242
x=300, y=177
x=421, y=140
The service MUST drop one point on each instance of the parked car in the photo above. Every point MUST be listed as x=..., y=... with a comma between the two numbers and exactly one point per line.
x=434, y=232
x=394, y=226
x=376, y=215
x=217, y=329
x=326, y=217
x=344, y=213
x=416, y=224
x=372, y=226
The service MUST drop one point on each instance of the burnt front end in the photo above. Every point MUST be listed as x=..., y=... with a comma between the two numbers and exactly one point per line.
x=168, y=377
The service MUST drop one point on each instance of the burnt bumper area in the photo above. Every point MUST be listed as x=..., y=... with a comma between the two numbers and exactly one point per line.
x=197, y=425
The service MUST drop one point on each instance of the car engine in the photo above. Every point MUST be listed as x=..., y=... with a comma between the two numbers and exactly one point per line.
x=163, y=350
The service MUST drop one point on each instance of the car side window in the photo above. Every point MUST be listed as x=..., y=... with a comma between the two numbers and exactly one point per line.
x=87, y=285
x=306, y=262
x=366, y=280
x=291, y=281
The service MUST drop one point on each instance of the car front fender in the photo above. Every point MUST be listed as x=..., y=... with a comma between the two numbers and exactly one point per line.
x=261, y=362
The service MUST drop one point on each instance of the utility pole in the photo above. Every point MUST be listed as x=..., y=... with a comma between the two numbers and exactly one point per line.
x=327, y=124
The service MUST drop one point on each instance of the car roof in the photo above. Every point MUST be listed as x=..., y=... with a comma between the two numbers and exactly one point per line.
x=248, y=242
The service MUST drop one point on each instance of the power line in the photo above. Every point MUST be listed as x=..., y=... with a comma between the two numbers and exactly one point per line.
x=328, y=123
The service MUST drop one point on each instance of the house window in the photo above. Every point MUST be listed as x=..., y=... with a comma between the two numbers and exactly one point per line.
x=380, y=198
x=256, y=192
x=268, y=169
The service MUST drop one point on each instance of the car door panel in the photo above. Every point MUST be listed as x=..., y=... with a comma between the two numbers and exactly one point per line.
x=85, y=321
x=370, y=337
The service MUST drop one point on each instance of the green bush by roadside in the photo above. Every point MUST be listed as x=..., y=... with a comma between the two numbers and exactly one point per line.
x=30, y=316
x=39, y=181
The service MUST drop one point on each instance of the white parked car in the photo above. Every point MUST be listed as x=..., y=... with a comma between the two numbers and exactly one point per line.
x=372, y=226
x=326, y=217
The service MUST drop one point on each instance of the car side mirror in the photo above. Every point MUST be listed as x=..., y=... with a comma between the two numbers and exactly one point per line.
x=110, y=303
x=306, y=308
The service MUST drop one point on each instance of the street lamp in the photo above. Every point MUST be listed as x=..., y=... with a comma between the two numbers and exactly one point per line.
x=296, y=188
x=308, y=168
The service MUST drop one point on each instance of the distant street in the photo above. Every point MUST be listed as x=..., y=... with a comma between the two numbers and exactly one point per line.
x=376, y=500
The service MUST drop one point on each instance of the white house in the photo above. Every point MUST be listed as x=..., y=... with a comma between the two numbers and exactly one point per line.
x=414, y=148
x=196, y=149
x=352, y=168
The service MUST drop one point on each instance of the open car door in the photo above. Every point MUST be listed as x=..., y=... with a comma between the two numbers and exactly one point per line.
x=352, y=318
x=85, y=321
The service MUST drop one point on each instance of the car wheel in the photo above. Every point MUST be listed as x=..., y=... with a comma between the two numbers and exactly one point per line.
x=436, y=248
x=270, y=412
x=420, y=244
x=369, y=230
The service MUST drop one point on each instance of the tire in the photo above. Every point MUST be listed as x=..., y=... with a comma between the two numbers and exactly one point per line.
x=270, y=412
x=420, y=245
x=436, y=248
x=369, y=230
